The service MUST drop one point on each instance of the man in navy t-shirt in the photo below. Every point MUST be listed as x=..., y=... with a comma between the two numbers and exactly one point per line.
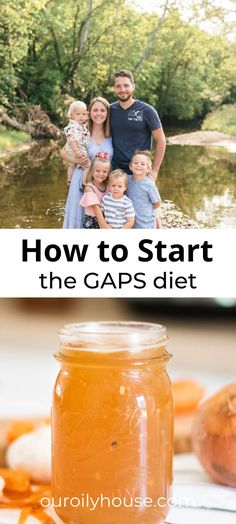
x=133, y=125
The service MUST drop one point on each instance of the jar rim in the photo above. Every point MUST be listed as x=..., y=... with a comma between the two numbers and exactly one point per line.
x=112, y=336
x=121, y=328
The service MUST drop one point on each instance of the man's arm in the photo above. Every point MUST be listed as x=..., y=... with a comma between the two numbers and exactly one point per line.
x=160, y=146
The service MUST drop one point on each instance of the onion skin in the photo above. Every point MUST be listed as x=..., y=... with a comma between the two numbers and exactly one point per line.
x=214, y=435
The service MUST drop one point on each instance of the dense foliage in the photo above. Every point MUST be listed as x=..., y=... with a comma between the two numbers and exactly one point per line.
x=51, y=50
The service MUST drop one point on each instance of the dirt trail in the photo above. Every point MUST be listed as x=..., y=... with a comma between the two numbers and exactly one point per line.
x=204, y=138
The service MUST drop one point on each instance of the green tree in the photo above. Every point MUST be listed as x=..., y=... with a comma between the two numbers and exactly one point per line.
x=18, y=19
x=51, y=50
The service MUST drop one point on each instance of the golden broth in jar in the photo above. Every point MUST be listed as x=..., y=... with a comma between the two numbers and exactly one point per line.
x=112, y=423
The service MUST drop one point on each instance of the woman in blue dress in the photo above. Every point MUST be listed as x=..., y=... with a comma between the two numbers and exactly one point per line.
x=100, y=142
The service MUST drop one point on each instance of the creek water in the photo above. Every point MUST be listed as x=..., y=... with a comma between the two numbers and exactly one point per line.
x=200, y=181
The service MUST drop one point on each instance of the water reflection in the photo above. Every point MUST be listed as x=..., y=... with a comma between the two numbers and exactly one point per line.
x=218, y=210
x=33, y=193
x=200, y=181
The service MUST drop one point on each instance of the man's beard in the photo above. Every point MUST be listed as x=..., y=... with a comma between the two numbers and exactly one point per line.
x=128, y=97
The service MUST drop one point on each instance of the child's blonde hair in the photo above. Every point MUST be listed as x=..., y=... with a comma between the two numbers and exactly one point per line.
x=118, y=173
x=77, y=104
x=145, y=153
x=100, y=157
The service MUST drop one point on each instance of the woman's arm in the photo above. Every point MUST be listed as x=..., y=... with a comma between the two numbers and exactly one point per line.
x=77, y=154
x=81, y=159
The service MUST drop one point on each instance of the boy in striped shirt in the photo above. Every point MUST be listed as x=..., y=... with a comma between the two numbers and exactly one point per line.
x=117, y=208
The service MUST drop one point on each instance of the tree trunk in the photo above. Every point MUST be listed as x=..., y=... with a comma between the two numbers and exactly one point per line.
x=152, y=37
x=85, y=30
x=39, y=124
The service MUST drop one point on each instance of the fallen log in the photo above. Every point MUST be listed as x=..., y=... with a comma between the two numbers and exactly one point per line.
x=38, y=125
x=13, y=123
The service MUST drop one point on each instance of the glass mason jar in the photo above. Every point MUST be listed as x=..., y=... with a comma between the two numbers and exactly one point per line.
x=112, y=424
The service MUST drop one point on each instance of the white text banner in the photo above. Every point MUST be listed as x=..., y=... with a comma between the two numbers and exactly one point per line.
x=116, y=263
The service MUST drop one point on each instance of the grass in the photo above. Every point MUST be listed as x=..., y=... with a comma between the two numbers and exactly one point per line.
x=12, y=138
x=222, y=119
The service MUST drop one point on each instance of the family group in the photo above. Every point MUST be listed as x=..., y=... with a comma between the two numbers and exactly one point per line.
x=111, y=177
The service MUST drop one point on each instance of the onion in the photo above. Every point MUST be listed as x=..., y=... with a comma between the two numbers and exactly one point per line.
x=31, y=453
x=214, y=435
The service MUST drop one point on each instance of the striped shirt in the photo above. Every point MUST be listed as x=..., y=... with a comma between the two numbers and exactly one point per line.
x=117, y=210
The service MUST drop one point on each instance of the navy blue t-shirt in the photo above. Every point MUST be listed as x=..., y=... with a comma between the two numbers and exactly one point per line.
x=131, y=129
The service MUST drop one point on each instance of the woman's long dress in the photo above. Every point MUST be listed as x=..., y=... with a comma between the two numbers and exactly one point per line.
x=74, y=213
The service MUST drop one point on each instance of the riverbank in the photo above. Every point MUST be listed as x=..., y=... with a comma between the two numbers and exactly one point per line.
x=172, y=217
x=204, y=138
x=13, y=150
x=12, y=142
x=197, y=138
x=221, y=119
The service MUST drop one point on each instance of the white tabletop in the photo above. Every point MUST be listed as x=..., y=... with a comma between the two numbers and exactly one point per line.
x=195, y=499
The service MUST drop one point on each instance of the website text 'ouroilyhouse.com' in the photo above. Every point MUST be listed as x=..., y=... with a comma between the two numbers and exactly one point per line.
x=93, y=503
